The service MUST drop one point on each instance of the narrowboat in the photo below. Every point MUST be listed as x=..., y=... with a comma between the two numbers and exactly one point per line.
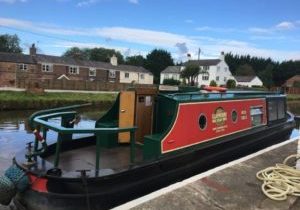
x=147, y=140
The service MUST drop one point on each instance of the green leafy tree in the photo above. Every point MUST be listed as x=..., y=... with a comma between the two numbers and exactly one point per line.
x=267, y=76
x=213, y=83
x=190, y=72
x=77, y=53
x=171, y=81
x=136, y=60
x=10, y=43
x=104, y=55
x=231, y=84
x=245, y=70
x=156, y=61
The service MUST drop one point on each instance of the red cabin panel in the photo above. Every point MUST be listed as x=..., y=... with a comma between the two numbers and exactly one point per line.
x=190, y=128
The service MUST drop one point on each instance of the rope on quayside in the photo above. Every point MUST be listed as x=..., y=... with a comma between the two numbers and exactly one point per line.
x=281, y=180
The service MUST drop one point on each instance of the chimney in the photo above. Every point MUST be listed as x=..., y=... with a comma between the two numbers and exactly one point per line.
x=222, y=56
x=189, y=57
x=114, y=60
x=32, y=50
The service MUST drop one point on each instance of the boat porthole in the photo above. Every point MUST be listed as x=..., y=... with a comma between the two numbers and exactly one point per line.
x=202, y=122
x=234, y=116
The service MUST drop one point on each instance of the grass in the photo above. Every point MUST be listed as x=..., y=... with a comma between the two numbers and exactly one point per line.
x=10, y=100
x=293, y=97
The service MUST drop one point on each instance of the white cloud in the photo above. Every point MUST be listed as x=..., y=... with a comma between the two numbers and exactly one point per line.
x=86, y=3
x=189, y=21
x=143, y=39
x=12, y=1
x=285, y=25
x=217, y=29
x=133, y=1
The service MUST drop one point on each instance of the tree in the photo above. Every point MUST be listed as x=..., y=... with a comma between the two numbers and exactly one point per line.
x=77, y=53
x=213, y=83
x=136, y=60
x=245, y=70
x=104, y=55
x=156, y=61
x=171, y=81
x=10, y=43
x=190, y=73
x=231, y=84
x=267, y=76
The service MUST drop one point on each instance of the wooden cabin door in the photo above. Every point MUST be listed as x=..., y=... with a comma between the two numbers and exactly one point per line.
x=126, y=114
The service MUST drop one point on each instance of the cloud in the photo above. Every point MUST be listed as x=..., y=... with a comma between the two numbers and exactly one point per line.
x=86, y=3
x=134, y=1
x=12, y=1
x=189, y=21
x=142, y=39
x=285, y=26
x=217, y=29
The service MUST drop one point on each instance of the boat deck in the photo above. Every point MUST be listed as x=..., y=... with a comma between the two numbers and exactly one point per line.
x=111, y=160
x=233, y=186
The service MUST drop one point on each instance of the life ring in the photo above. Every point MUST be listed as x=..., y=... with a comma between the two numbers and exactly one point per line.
x=211, y=88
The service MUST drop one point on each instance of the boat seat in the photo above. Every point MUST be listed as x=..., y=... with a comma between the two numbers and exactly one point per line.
x=152, y=145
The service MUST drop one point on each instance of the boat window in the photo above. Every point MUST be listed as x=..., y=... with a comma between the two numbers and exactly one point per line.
x=272, y=109
x=281, y=109
x=256, y=116
x=234, y=116
x=202, y=122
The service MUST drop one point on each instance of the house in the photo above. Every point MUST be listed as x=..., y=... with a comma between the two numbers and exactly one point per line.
x=248, y=81
x=14, y=67
x=210, y=69
x=292, y=81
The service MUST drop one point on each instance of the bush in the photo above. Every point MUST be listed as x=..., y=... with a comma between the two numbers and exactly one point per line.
x=213, y=83
x=171, y=82
x=231, y=83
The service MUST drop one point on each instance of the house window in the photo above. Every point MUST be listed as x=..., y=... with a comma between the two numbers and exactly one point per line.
x=23, y=67
x=92, y=72
x=205, y=68
x=205, y=77
x=225, y=79
x=126, y=75
x=73, y=70
x=142, y=76
x=218, y=68
x=112, y=74
x=47, y=67
x=217, y=78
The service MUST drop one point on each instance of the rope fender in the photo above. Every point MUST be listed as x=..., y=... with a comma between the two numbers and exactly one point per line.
x=280, y=180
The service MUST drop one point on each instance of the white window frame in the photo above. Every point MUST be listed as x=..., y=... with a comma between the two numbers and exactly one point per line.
x=126, y=75
x=225, y=79
x=23, y=67
x=73, y=70
x=217, y=78
x=112, y=74
x=218, y=68
x=205, y=68
x=142, y=76
x=92, y=72
x=45, y=69
x=205, y=77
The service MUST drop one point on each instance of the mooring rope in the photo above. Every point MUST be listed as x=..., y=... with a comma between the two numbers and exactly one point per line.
x=281, y=180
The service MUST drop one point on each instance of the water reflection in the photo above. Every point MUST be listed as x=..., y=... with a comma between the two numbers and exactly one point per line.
x=15, y=133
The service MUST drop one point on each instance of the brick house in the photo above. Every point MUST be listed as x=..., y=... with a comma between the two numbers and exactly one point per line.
x=14, y=67
x=292, y=81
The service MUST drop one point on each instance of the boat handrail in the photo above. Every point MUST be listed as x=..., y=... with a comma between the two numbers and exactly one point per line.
x=63, y=131
x=48, y=111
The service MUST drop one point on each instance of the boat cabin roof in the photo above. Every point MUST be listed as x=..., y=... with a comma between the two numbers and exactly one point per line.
x=207, y=96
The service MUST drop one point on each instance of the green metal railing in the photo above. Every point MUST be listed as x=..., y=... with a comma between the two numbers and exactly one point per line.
x=65, y=131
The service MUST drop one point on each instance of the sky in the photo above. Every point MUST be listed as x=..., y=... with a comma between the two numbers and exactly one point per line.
x=263, y=28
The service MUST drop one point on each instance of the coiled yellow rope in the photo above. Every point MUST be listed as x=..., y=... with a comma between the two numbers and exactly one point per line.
x=281, y=180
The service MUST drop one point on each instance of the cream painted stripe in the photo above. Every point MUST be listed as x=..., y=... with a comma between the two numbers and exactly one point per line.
x=153, y=195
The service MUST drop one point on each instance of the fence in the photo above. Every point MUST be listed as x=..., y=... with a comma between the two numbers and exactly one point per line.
x=75, y=85
x=288, y=90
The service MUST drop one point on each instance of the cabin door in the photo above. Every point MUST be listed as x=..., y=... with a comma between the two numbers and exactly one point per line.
x=126, y=114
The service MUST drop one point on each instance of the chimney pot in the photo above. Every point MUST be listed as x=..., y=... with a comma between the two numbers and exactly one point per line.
x=32, y=50
x=114, y=60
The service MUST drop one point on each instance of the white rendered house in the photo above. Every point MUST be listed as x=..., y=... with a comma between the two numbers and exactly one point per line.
x=210, y=69
x=248, y=81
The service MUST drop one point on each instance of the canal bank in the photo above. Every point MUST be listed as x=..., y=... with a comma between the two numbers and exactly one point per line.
x=16, y=100
x=231, y=186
